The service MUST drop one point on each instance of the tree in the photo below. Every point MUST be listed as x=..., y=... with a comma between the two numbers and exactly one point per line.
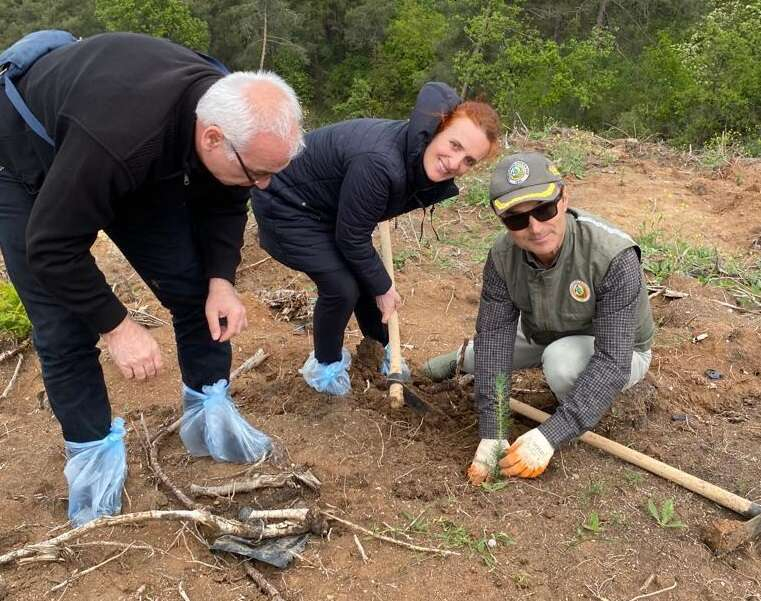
x=169, y=19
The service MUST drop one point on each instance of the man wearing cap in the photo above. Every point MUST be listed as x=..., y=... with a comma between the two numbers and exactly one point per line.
x=564, y=290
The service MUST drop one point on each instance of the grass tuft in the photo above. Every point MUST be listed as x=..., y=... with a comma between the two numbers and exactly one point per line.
x=14, y=322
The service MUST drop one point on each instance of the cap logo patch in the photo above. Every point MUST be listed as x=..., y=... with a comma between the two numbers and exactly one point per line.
x=517, y=173
x=580, y=291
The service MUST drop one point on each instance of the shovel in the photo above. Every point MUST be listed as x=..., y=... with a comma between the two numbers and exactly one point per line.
x=399, y=394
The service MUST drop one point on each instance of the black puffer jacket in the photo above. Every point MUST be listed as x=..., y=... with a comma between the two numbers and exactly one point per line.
x=319, y=213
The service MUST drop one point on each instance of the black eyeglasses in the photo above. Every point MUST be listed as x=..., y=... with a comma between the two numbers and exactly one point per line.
x=542, y=212
x=252, y=177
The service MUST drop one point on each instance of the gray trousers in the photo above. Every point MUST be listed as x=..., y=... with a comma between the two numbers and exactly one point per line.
x=561, y=361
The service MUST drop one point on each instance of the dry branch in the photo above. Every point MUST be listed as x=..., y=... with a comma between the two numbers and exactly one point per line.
x=78, y=575
x=254, y=361
x=299, y=514
x=13, y=378
x=259, y=481
x=387, y=539
x=14, y=351
x=272, y=593
x=153, y=459
x=217, y=526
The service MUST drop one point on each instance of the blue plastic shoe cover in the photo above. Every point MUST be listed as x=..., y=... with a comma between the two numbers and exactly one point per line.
x=211, y=425
x=385, y=367
x=332, y=378
x=96, y=472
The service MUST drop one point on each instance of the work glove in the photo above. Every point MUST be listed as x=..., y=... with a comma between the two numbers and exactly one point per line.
x=488, y=453
x=528, y=456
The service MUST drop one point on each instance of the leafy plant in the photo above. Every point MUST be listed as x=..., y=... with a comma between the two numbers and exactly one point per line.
x=665, y=516
x=457, y=537
x=591, y=524
x=633, y=478
x=14, y=322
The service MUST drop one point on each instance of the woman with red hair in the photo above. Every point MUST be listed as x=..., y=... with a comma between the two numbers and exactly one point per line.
x=318, y=214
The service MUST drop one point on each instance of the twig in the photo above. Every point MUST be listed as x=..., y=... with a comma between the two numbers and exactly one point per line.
x=663, y=590
x=255, y=361
x=182, y=592
x=306, y=478
x=13, y=378
x=252, y=265
x=216, y=524
x=153, y=460
x=78, y=575
x=361, y=549
x=735, y=307
x=262, y=582
x=387, y=539
x=14, y=351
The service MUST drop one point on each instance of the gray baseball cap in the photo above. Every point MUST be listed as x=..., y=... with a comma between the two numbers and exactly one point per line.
x=524, y=177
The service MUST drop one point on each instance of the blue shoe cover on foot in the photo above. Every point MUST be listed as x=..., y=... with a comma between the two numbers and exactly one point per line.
x=332, y=378
x=211, y=425
x=385, y=367
x=96, y=472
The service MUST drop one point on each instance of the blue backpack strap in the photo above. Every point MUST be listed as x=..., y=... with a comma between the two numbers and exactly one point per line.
x=23, y=110
x=220, y=66
x=17, y=59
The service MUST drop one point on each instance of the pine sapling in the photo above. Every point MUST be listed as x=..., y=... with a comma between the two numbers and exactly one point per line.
x=504, y=420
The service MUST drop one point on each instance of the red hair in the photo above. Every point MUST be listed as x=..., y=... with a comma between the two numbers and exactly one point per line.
x=483, y=116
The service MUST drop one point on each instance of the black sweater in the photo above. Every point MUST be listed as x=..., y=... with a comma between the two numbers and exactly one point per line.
x=319, y=213
x=121, y=109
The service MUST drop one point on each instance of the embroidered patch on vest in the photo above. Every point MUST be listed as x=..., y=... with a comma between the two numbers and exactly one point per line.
x=580, y=291
x=518, y=173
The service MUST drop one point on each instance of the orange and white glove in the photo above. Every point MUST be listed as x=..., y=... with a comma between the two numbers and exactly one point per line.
x=489, y=451
x=528, y=456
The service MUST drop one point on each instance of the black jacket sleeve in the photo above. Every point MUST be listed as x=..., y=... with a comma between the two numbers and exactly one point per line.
x=74, y=203
x=362, y=203
x=223, y=220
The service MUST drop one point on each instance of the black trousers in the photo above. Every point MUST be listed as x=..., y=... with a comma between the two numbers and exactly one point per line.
x=340, y=295
x=158, y=240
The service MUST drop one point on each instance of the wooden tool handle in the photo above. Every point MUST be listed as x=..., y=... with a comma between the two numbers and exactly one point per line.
x=696, y=485
x=395, y=391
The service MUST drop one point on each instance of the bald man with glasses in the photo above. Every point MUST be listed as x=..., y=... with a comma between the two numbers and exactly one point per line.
x=562, y=290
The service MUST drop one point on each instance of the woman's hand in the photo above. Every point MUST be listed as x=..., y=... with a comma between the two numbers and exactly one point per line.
x=388, y=303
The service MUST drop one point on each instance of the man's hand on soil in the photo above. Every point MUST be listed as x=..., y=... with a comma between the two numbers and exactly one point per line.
x=134, y=350
x=388, y=303
x=528, y=456
x=489, y=451
x=223, y=303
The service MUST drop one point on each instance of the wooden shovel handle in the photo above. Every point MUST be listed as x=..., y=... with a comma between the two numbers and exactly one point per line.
x=705, y=489
x=395, y=391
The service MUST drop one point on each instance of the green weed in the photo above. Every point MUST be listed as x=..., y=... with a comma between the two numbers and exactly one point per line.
x=404, y=255
x=590, y=524
x=663, y=256
x=457, y=537
x=665, y=516
x=595, y=489
x=14, y=322
x=633, y=478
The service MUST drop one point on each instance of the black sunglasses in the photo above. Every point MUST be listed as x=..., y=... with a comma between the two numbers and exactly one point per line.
x=542, y=212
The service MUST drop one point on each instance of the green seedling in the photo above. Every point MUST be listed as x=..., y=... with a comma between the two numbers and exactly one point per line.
x=457, y=537
x=502, y=409
x=590, y=524
x=665, y=516
x=495, y=486
x=416, y=524
x=633, y=478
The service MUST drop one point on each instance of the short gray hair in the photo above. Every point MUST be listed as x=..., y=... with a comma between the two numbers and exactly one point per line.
x=228, y=105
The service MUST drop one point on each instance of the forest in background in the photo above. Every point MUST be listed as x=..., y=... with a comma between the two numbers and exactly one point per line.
x=685, y=71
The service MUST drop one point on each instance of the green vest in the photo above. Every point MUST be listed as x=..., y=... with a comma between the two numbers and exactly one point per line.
x=560, y=301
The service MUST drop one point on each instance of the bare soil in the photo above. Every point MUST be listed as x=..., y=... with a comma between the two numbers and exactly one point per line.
x=385, y=469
